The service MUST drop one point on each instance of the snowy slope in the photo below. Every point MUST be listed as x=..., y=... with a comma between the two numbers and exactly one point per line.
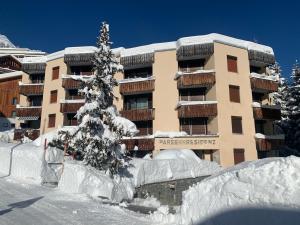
x=5, y=42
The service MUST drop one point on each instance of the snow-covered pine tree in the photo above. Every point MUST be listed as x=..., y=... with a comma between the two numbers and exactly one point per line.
x=281, y=97
x=100, y=129
x=294, y=107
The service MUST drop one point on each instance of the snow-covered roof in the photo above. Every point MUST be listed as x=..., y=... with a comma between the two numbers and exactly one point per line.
x=39, y=59
x=148, y=49
x=80, y=50
x=11, y=75
x=214, y=37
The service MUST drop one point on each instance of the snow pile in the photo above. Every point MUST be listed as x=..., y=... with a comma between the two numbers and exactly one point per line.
x=147, y=202
x=7, y=136
x=202, y=71
x=170, y=165
x=262, y=183
x=167, y=165
x=263, y=76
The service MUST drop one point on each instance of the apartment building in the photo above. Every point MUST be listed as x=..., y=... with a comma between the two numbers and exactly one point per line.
x=13, y=61
x=216, y=89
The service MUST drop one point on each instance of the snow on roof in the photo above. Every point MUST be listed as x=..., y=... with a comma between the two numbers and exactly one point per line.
x=5, y=42
x=11, y=75
x=40, y=59
x=214, y=37
x=148, y=49
x=80, y=50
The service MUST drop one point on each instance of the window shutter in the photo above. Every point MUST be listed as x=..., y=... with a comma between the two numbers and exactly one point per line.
x=239, y=155
x=232, y=64
x=234, y=93
x=236, y=123
x=55, y=73
x=53, y=96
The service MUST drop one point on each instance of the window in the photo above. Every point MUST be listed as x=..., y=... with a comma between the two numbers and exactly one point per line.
x=51, y=120
x=239, y=155
x=191, y=65
x=143, y=101
x=259, y=126
x=14, y=101
x=236, y=123
x=234, y=93
x=232, y=64
x=13, y=114
x=193, y=94
x=193, y=126
x=137, y=73
x=55, y=73
x=53, y=96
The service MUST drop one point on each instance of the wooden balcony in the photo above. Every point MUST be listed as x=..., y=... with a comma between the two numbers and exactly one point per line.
x=31, y=89
x=30, y=133
x=266, y=113
x=70, y=107
x=137, y=87
x=199, y=110
x=29, y=111
x=138, y=114
x=145, y=144
x=69, y=83
x=263, y=85
x=193, y=80
x=268, y=144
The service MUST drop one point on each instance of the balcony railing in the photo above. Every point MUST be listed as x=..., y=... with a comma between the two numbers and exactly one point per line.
x=266, y=113
x=146, y=144
x=69, y=83
x=137, y=87
x=138, y=114
x=263, y=85
x=268, y=144
x=30, y=133
x=31, y=89
x=70, y=107
x=192, y=80
x=32, y=111
x=70, y=122
x=197, y=110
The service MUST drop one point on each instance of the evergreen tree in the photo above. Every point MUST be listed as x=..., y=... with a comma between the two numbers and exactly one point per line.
x=100, y=128
x=294, y=106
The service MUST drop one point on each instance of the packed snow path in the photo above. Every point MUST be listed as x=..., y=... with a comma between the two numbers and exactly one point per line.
x=28, y=204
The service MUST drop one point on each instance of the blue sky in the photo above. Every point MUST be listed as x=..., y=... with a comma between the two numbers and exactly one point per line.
x=53, y=25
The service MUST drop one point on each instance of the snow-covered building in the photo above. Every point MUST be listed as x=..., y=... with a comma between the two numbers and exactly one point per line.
x=207, y=93
x=13, y=71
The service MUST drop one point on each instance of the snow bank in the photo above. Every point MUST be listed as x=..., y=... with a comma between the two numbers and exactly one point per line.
x=170, y=165
x=7, y=136
x=262, y=183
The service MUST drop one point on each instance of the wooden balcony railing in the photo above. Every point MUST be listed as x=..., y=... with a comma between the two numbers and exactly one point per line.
x=31, y=89
x=263, y=85
x=268, y=144
x=70, y=107
x=145, y=131
x=137, y=87
x=266, y=113
x=138, y=114
x=146, y=144
x=200, y=110
x=29, y=111
x=30, y=133
x=70, y=122
x=196, y=80
x=69, y=83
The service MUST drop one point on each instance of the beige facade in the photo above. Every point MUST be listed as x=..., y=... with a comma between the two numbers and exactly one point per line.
x=181, y=89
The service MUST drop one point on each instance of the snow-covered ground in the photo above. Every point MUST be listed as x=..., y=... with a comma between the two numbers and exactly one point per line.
x=22, y=203
x=259, y=192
